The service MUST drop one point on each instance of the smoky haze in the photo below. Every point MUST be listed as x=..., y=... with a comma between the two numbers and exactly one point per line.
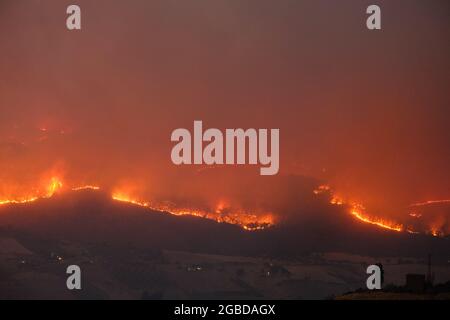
x=364, y=111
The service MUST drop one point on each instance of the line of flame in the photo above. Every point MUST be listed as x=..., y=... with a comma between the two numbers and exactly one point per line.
x=381, y=223
x=253, y=225
x=87, y=187
x=425, y=203
x=54, y=185
x=357, y=210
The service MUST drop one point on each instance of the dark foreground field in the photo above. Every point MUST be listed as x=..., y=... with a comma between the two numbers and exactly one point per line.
x=128, y=252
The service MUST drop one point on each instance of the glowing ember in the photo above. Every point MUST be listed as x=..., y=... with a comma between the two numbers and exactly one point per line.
x=435, y=233
x=321, y=189
x=415, y=215
x=88, y=187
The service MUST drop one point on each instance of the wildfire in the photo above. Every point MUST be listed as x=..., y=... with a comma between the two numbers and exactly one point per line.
x=430, y=215
x=415, y=215
x=321, y=189
x=87, y=187
x=55, y=185
x=48, y=191
x=357, y=210
x=435, y=233
x=224, y=213
x=221, y=214
x=18, y=200
x=125, y=198
x=429, y=202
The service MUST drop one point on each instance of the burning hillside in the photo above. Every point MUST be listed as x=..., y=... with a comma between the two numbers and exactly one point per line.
x=433, y=224
x=250, y=220
x=222, y=214
x=46, y=191
x=93, y=216
x=357, y=210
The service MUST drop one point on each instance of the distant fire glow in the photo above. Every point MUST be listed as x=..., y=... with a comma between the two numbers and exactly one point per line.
x=88, y=187
x=430, y=202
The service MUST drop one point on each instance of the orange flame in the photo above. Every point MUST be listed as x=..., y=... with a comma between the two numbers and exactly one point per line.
x=357, y=210
x=247, y=221
x=51, y=188
x=118, y=196
x=223, y=213
x=426, y=215
x=87, y=187
x=426, y=203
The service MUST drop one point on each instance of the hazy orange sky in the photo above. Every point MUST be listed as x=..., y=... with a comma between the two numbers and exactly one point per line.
x=366, y=111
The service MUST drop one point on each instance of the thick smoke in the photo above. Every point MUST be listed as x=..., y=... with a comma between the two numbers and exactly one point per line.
x=365, y=112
